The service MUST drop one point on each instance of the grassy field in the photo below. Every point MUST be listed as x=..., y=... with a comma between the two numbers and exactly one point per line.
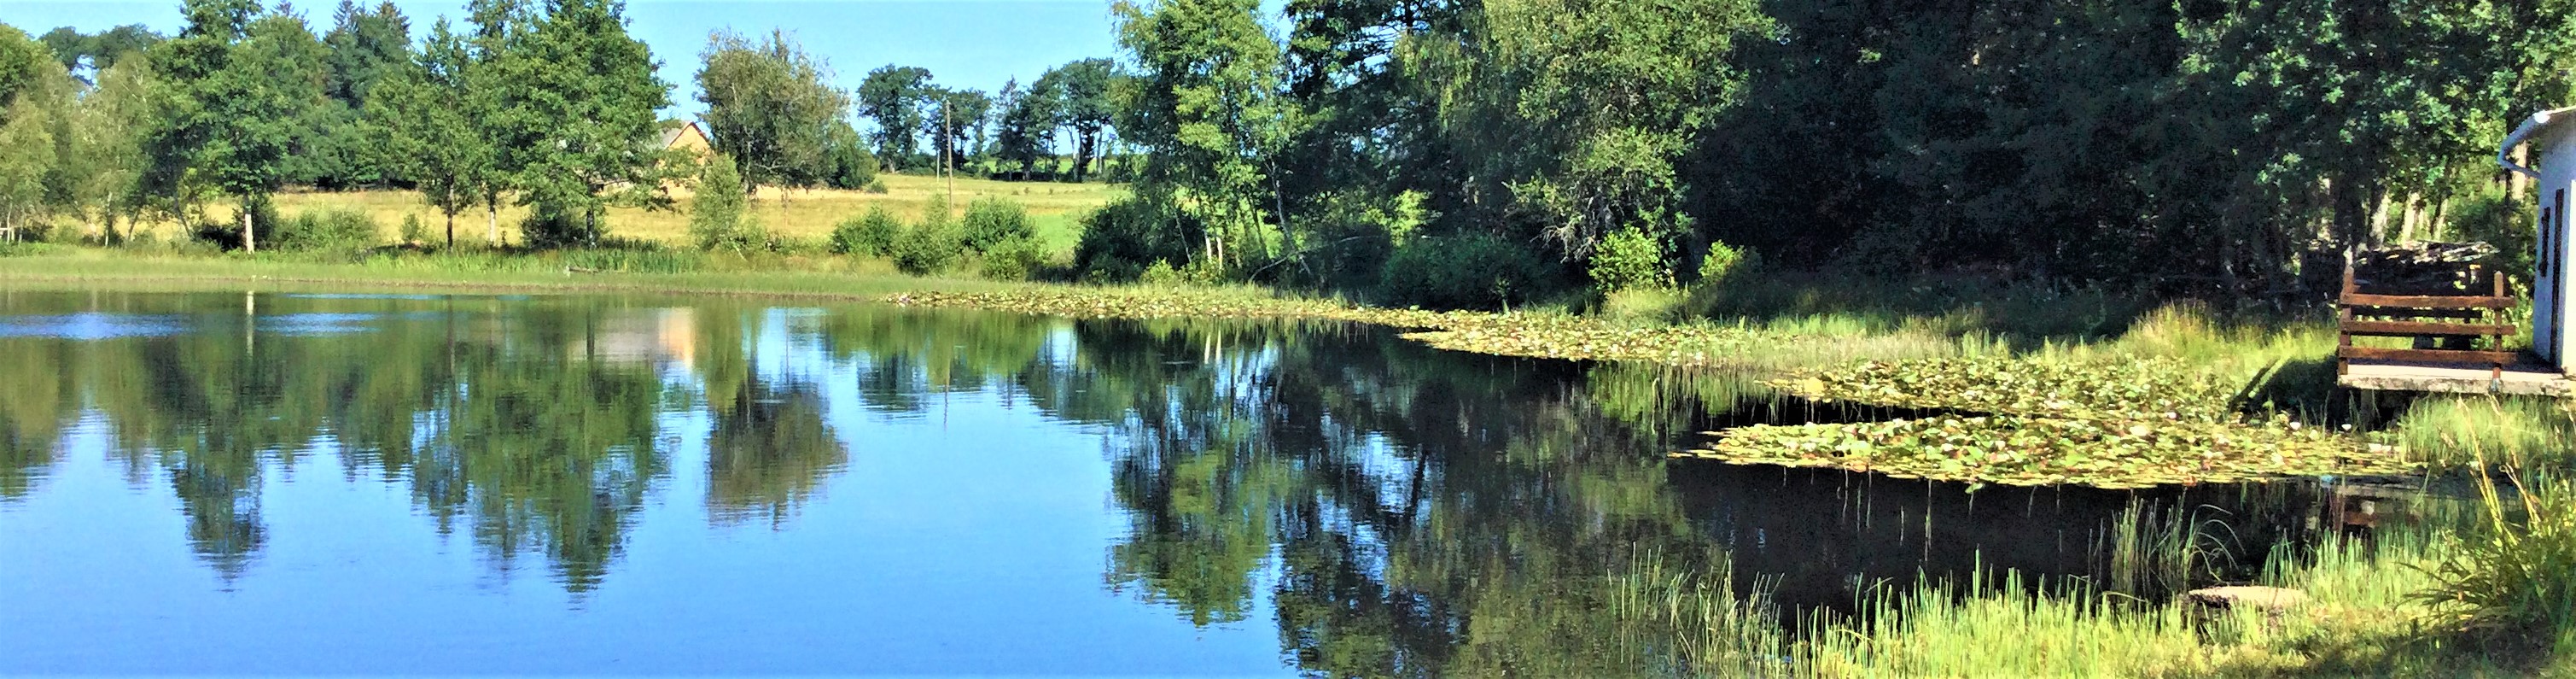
x=800, y=214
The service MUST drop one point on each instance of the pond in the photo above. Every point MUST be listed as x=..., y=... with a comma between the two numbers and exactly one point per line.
x=346, y=483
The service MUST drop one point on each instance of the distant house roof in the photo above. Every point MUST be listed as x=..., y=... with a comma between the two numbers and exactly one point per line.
x=679, y=133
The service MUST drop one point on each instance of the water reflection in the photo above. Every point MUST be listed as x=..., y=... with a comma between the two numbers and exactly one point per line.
x=1378, y=508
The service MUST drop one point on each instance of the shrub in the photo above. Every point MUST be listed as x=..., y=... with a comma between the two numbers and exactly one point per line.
x=851, y=166
x=1121, y=238
x=333, y=229
x=718, y=215
x=1724, y=262
x=553, y=226
x=413, y=233
x=1013, y=260
x=993, y=221
x=932, y=245
x=871, y=234
x=1475, y=271
x=1628, y=259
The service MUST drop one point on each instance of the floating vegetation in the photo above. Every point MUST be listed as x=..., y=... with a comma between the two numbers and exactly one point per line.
x=2027, y=451
x=2132, y=388
x=1537, y=335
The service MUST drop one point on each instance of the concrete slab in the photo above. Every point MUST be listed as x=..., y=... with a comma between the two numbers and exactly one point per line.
x=2517, y=380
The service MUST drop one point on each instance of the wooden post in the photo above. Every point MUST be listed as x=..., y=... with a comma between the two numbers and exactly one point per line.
x=2343, y=312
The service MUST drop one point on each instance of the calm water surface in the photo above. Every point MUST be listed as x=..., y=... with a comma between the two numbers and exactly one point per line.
x=279, y=483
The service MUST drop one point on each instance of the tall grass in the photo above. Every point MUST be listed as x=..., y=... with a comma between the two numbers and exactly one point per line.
x=2518, y=574
x=2459, y=431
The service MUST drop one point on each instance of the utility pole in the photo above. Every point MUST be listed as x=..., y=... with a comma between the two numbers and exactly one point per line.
x=948, y=151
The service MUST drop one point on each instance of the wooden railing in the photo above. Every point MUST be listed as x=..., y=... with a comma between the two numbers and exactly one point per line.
x=2442, y=318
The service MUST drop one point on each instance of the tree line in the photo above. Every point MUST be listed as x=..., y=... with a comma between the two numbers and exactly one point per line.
x=546, y=104
x=1445, y=152
x=2200, y=148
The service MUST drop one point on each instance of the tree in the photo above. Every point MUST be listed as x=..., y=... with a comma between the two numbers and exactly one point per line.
x=717, y=216
x=771, y=108
x=108, y=143
x=955, y=122
x=96, y=52
x=1025, y=132
x=443, y=151
x=364, y=46
x=852, y=166
x=500, y=26
x=234, y=107
x=35, y=94
x=1207, y=105
x=577, y=116
x=897, y=97
x=1085, y=101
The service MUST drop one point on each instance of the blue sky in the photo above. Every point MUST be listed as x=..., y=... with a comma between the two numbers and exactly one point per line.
x=965, y=43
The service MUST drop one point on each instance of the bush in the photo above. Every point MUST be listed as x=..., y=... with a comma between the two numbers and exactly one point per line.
x=851, y=166
x=1202, y=272
x=718, y=214
x=1724, y=262
x=413, y=233
x=1013, y=260
x=1121, y=238
x=1475, y=271
x=552, y=226
x=334, y=229
x=932, y=245
x=871, y=234
x=1626, y=260
x=993, y=221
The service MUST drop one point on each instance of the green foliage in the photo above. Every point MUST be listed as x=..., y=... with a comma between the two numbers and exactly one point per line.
x=324, y=230
x=1724, y=262
x=932, y=245
x=239, y=83
x=719, y=217
x=1628, y=260
x=1470, y=271
x=1207, y=102
x=2491, y=215
x=850, y=164
x=412, y=231
x=991, y=222
x=870, y=234
x=1162, y=274
x=365, y=46
x=898, y=98
x=99, y=51
x=1120, y=239
x=2517, y=576
x=574, y=102
x=1013, y=259
x=435, y=135
x=773, y=109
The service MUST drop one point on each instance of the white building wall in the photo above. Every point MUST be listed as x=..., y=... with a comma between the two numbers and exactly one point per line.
x=2556, y=194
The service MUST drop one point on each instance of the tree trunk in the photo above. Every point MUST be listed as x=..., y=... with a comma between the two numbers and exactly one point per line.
x=250, y=231
x=451, y=230
x=1082, y=148
x=492, y=222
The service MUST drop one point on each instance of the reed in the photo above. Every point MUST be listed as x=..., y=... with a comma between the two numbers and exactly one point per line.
x=2458, y=431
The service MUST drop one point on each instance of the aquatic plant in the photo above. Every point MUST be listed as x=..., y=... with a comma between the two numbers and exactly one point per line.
x=2023, y=450
x=2141, y=388
x=2512, y=576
